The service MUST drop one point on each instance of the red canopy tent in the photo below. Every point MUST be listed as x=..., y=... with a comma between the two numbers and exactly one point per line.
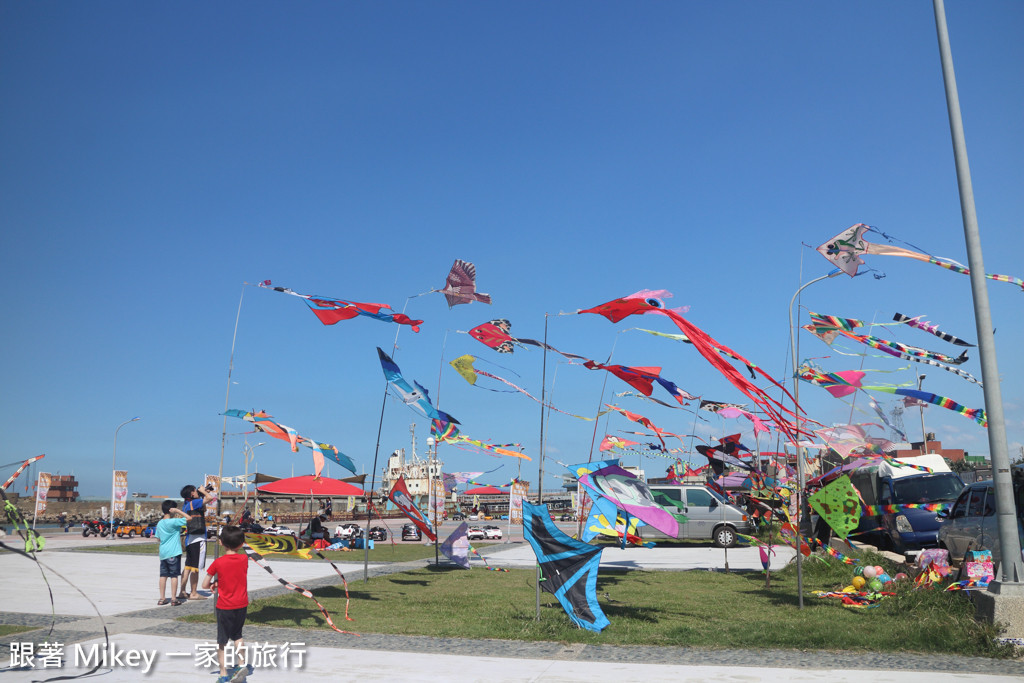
x=485, y=491
x=308, y=486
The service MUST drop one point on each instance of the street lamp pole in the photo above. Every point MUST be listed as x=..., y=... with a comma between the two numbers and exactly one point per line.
x=920, y=406
x=248, y=454
x=1011, y=579
x=113, y=473
x=801, y=452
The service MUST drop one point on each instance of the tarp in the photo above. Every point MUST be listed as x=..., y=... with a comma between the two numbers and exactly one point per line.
x=307, y=485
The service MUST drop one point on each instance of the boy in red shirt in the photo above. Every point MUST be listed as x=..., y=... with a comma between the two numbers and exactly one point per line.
x=227, y=575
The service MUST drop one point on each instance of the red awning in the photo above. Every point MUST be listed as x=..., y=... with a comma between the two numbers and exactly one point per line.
x=308, y=486
x=485, y=491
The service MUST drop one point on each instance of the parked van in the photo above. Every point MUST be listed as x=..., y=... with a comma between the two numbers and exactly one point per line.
x=972, y=524
x=910, y=529
x=708, y=514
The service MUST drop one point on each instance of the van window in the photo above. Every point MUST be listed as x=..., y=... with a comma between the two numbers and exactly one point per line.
x=674, y=495
x=976, y=507
x=990, y=501
x=927, y=489
x=960, y=508
x=699, y=498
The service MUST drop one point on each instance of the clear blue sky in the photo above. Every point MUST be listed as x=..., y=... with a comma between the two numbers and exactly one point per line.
x=156, y=157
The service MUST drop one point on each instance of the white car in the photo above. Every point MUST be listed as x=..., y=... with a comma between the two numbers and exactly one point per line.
x=492, y=533
x=280, y=530
x=475, y=533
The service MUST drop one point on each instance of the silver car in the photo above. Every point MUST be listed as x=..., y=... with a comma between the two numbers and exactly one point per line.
x=708, y=514
x=972, y=524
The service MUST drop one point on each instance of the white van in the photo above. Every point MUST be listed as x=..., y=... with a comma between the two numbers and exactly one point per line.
x=708, y=514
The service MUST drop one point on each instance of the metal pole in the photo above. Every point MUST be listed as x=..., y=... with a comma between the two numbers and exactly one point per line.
x=800, y=451
x=920, y=406
x=113, y=475
x=540, y=463
x=1011, y=567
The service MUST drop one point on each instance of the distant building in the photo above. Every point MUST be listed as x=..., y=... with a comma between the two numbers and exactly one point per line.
x=63, y=488
x=930, y=446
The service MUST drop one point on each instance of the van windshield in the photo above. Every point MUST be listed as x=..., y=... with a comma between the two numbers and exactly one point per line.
x=927, y=489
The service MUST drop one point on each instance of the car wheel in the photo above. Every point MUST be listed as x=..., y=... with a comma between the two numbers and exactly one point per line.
x=724, y=537
x=131, y=534
x=85, y=533
x=104, y=533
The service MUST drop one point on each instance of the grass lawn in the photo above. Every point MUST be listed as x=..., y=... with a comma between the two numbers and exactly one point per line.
x=693, y=608
x=380, y=553
x=8, y=629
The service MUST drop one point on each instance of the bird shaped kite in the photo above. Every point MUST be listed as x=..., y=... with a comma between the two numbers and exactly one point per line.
x=460, y=285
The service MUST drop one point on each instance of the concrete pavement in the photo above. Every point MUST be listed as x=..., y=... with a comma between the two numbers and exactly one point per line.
x=123, y=587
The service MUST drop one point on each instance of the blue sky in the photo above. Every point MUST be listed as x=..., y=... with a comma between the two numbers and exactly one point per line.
x=157, y=157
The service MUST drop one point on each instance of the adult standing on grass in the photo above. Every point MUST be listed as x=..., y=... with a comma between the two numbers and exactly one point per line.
x=195, y=537
x=168, y=532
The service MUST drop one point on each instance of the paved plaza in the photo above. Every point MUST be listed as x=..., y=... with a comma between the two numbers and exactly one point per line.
x=147, y=643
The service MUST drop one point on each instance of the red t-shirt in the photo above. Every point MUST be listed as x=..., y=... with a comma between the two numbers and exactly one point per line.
x=230, y=572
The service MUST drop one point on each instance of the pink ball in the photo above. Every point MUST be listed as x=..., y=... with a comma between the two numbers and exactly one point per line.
x=901, y=576
x=870, y=573
x=879, y=570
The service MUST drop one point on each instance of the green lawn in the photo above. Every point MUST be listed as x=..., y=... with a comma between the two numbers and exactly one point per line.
x=380, y=553
x=8, y=629
x=693, y=608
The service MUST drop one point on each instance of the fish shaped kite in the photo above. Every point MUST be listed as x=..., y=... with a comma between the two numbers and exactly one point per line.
x=331, y=311
x=632, y=496
x=444, y=430
x=929, y=328
x=845, y=250
x=460, y=285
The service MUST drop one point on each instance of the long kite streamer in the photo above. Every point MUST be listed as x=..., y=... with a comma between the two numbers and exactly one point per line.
x=497, y=334
x=845, y=250
x=331, y=311
x=464, y=366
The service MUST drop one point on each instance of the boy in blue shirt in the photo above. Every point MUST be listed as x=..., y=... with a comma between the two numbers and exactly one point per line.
x=168, y=532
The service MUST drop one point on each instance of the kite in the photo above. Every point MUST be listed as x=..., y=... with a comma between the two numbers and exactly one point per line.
x=602, y=510
x=21, y=469
x=259, y=560
x=839, y=505
x=460, y=285
x=453, y=479
x=444, y=430
x=632, y=496
x=733, y=412
x=718, y=459
x=280, y=544
x=646, y=302
x=411, y=395
x=456, y=546
x=928, y=327
x=497, y=335
x=715, y=406
x=640, y=419
x=569, y=567
x=464, y=366
x=685, y=339
x=642, y=379
x=400, y=497
x=266, y=424
x=331, y=311
x=609, y=442
x=881, y=415
x=834, y=382
x=845, y=250
x=826, y=326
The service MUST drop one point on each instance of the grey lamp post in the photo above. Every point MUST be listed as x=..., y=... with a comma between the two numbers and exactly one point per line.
x=920, y=406
x=113, y=475
x=800, y=451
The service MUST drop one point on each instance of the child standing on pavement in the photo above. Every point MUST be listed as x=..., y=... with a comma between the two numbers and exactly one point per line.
x=228, y=576
x=168, y=532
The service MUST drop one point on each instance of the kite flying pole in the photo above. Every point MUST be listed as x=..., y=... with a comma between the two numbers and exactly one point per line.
x=227, y=398
x=540, y=460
